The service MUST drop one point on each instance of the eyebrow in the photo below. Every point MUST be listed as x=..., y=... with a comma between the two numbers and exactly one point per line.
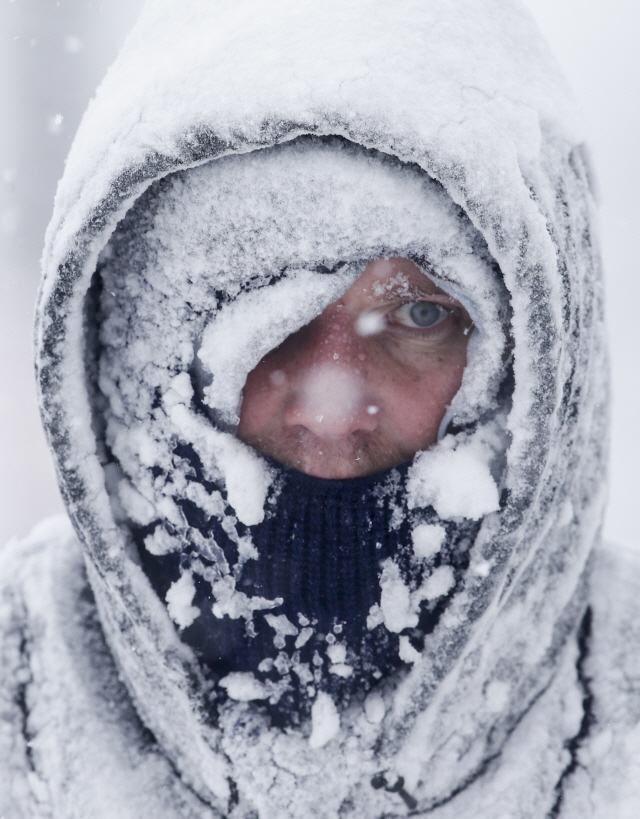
x=410, y=284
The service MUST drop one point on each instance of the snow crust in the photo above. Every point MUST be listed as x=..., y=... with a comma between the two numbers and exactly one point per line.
x=243, y=687
x=325, y=721
x=395, y=601
x=455, y=478
x=427, y=539
x=375, y=708
x=179, y=599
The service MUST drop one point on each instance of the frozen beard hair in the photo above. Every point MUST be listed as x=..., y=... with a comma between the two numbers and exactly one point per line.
x=283, y=584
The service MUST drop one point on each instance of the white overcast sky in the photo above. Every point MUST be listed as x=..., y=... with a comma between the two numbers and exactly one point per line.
x=52, y=56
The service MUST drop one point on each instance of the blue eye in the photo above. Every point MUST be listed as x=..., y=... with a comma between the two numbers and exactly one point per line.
x=421, y=314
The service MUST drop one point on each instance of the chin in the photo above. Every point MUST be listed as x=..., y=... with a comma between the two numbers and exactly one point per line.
x=336, y=464
x=318, y=468
x=356, y=456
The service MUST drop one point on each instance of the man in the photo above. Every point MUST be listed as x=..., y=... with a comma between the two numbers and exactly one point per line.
x=321, y=360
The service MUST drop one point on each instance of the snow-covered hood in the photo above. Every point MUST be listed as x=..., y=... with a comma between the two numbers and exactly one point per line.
x=467, y=92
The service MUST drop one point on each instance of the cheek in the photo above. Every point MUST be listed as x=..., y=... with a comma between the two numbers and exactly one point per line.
x=260, y=401
x=270, y=385
x=415, y=399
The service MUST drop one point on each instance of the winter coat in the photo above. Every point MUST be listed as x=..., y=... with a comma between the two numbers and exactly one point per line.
x=522, y=701
x=73, y=744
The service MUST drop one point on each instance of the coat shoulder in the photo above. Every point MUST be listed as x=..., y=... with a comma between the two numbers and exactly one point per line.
x=71, y=742
x=19, y=559
x=23, y=793
x=606, y=777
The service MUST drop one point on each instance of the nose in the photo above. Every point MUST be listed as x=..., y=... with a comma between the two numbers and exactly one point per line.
x=331, y=402
x=330, y=389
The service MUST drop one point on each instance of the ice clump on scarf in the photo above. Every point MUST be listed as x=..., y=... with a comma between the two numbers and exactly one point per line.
x=210, y=270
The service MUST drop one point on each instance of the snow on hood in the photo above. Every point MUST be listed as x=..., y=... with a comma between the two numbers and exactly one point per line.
x=467, y=92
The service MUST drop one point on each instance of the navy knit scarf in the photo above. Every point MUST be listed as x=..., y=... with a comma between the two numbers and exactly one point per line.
x=320, y=549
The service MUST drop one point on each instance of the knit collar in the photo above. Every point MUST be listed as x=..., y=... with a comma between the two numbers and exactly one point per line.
x=319, y=563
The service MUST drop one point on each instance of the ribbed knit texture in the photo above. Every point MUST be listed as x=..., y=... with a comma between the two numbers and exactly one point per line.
x=321, y=548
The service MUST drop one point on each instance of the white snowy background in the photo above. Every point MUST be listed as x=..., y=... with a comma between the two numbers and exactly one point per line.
x=53, y=53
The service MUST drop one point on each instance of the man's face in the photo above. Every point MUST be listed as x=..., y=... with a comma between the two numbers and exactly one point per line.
x=365, y=385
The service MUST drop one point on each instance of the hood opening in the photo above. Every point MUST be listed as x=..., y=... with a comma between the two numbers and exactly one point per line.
x=285, y=586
